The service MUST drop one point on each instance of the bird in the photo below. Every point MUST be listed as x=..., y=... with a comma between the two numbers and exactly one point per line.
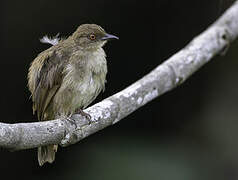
x=65, y=78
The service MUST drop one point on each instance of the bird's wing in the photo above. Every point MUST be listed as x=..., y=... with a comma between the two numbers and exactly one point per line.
x=45, y=75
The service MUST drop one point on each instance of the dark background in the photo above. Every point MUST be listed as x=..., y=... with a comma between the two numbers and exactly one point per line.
x=189, y=133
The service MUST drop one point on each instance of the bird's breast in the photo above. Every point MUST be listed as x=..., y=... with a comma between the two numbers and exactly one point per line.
x=85, y=80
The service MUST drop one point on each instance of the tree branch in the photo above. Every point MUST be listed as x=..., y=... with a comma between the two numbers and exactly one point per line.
x=163, y=78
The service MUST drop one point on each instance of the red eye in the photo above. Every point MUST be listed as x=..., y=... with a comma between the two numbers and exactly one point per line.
x=92, y=37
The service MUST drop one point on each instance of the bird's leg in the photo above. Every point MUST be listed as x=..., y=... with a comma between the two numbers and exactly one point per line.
x=80, y=111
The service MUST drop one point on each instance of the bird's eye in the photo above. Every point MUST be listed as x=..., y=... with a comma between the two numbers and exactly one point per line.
x=92, y=36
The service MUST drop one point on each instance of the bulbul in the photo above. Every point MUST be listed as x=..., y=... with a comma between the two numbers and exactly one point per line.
x=67, y=77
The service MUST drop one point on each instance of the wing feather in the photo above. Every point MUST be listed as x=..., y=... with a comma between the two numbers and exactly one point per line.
x=44, y=79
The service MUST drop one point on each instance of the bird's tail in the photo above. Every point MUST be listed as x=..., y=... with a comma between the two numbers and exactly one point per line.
x=46, y=154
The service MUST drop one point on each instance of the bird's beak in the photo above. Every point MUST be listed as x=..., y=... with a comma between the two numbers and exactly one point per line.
x=109, y=37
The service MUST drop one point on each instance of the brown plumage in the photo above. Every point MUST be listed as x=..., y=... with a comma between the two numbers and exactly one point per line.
x=68, y=76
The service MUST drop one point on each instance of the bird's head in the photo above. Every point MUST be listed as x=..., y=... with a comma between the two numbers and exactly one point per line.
x=91, y=36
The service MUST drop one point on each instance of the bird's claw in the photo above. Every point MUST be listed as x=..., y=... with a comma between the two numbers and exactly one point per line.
x=71, y=121
x=86, y=115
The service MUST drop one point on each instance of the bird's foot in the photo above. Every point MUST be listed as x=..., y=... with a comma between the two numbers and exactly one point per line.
x=80, y=111
x=71, y=121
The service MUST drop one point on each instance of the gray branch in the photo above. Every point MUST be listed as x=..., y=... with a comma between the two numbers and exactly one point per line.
x=215, y=40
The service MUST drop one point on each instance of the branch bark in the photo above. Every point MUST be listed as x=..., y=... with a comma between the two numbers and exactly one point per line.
x=163, y=78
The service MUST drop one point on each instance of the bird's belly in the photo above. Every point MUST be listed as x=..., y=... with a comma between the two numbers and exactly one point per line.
x=78, y=94
x=87, y=92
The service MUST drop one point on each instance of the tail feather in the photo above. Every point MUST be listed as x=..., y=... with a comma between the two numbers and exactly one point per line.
x=46, y=154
